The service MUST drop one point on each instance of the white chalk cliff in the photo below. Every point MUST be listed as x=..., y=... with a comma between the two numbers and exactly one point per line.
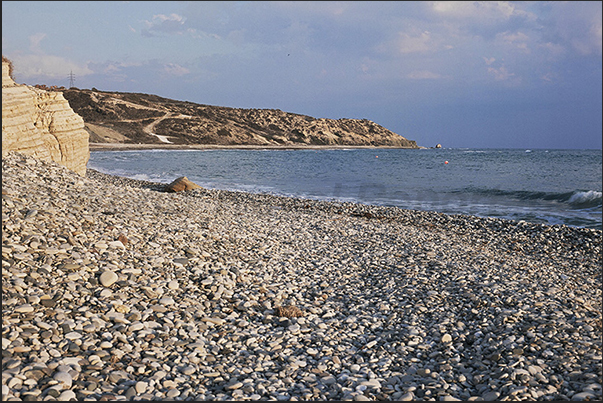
x=42, y=124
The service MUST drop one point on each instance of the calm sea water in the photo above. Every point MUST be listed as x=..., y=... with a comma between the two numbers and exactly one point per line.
x=543, y=186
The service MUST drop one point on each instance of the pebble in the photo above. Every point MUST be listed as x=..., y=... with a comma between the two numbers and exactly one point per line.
x=141, y=387
x=588, y=395
x=63, y=378
x=407, y=397
x=25, y=308
x=172, y=393
x=491, y=396
x=120, y=291
x=67, y=395
x=108, y=278
x=189, y=370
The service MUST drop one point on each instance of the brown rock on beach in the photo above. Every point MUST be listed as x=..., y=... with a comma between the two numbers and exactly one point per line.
x=181, y=184
x=123, y=239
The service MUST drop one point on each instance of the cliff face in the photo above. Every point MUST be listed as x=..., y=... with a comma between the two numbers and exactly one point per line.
x=149, y=119
x=42, y=124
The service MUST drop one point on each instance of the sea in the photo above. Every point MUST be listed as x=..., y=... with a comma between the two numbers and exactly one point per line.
x=539, y=186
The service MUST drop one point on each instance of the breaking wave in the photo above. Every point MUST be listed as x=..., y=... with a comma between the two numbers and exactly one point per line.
x=577, y=199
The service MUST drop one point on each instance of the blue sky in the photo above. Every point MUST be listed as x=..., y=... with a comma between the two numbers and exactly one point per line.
x=463, y=74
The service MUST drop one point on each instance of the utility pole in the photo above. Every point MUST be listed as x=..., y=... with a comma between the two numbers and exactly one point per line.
x=71, y=79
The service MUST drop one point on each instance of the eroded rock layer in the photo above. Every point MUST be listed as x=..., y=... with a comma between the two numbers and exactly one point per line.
x=42, y=124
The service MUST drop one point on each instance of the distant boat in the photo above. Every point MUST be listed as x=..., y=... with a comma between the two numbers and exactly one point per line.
x=528, y=151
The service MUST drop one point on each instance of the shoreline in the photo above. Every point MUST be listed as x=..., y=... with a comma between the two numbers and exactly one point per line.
x=124, y=146
x=517, y=209
x=116, y=290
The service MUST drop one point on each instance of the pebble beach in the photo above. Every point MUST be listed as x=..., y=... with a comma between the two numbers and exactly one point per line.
x=113, y=289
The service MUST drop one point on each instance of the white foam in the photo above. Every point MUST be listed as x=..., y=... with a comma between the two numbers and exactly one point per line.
x=585, y=197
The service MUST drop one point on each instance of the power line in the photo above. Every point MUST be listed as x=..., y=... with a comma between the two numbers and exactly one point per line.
x=71, y=79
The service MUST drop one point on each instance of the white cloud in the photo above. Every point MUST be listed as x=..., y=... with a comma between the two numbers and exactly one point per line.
x=468, y=20
x=414, y=43
x=46, y=67
x=474, y=9
x=175, y=69
x=518, y=40
x=501, y=73
x=514, y=37
x=172, y=18
x=423, y=75
x=591, y=41
x=171, y=24
x=554, y=49
x=576, y=26
x=489, y=61
x=117, y=67
x=196, y=34
x=314, y=9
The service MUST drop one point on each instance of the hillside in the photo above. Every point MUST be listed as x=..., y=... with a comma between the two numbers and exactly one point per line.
x=133, y=118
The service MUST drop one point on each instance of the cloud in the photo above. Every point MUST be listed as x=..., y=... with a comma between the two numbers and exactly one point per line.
x=423, y=75
x=485, y=19
x=554, y=50
x=414, y=43
x=175, y=70
x=489, y=61
x=501, y=73
x=549, y=77
x=46, y=67
x=518, y=40
x=115, y=67
x=160, y=23
x=576, y=28
x=478, y=10
x=596, y=31
x=590, y=42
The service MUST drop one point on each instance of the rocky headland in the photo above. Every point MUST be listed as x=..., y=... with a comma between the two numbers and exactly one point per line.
x=62, y=125
x=42, y=124
x=133, y=118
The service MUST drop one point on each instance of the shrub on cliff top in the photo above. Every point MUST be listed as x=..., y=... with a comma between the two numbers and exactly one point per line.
x=10, y=66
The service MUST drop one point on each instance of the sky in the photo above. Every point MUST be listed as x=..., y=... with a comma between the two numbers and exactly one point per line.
x=492, y=74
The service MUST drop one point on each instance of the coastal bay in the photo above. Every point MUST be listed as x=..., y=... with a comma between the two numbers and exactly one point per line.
x=116, y=290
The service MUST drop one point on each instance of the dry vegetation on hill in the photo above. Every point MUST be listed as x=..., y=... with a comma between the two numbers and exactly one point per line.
x=141, y=117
